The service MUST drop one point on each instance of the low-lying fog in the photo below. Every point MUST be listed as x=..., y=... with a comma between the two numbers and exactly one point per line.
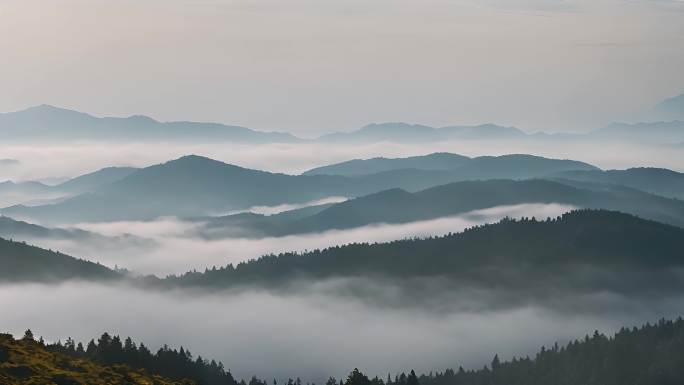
x=50, y=161
x=309, y=333
x=176, y=250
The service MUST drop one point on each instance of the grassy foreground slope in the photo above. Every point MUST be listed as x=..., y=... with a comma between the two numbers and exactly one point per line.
x=28, y=362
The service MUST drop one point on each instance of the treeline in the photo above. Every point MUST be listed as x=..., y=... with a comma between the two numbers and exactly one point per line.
x=596, y=238
x=651, y=354
x=171, y=363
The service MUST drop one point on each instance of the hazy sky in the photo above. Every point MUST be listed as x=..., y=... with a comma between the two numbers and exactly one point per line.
x=311, y=66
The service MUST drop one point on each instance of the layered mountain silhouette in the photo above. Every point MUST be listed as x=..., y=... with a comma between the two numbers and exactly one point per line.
x=49, y=123
x=670, y=132
x=483, y=167
x=35, y=193
x=659, y=181
x=92, y=181
x=399, y=206
x=582, y=251
x=32, y=233
x=399, y=131
x=671, y=108
x=194, y=185
x=46, y=122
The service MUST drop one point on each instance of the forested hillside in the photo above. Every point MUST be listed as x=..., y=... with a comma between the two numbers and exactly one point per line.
x=584, y=251
x=650, y=355
x=22, y=262
x=27, y=361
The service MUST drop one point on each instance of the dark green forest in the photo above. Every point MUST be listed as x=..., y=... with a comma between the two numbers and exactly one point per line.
x=581, y=251
x=22, y=262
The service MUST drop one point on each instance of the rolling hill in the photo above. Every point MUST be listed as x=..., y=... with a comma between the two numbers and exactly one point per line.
x=94, y=180
x=514, y=261
x=436, y=161
x=25, y=361
x=400, y=206
x=659, y=181
x=515, y=166
x=21, y=262
x=194, y=186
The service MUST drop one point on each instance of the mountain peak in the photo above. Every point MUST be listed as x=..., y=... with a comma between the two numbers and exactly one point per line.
x=671, y=108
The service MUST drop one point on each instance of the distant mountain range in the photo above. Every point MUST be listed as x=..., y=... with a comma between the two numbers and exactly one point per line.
x=671, y=108
x=400, y=131
x=659, y=181
x=193, y=186
x=483, y=167
x=48, y=123
x=52, y=123
x=670, y=132
x=32, y=192
x=399, y=206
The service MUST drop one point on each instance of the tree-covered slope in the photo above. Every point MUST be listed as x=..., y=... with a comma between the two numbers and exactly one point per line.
x=650, y=355
x=585, y=250
x=26, y=361
x=22, y=262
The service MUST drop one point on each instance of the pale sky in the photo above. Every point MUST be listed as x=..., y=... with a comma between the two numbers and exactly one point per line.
x=314, y=66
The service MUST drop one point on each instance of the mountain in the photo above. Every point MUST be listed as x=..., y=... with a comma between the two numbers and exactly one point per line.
x=22, y=262
x=35, y=234
x=92, y=181
x=52, y=123
x=188, y=186
x=30, y=187
x=194, y=186
x=12, y=193
x=399, y=131
x=8, y=162
x=399, y=206
x=36, y=193
x=652, y=132
x=25, y=361
x=507, y=263
x=435, y=161
x=671, y=108
x=484, y=167
x=659, y=181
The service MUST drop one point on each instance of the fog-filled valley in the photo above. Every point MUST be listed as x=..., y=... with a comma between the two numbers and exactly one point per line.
x=311, y=335
x=248, y=266
x=342, y=193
